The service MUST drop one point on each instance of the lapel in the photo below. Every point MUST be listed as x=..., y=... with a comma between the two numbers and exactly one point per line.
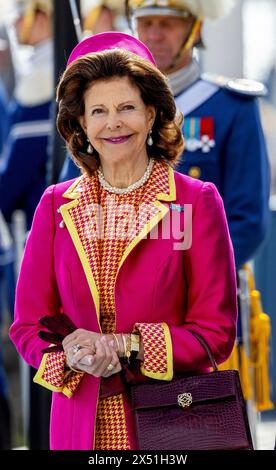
x=81, y=217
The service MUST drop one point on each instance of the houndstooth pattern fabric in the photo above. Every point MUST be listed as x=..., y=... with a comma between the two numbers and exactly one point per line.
x=117, y=236
x=54, y=369
x=87, y=221
x=56, y=374
x=101, y=222
x=111, y=429
x=72, y=381
x=123, y=218
x=155, y=351
x=100, y=219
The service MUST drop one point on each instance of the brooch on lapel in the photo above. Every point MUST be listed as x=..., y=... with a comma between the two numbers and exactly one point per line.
x=177, y=207
x=199, y=134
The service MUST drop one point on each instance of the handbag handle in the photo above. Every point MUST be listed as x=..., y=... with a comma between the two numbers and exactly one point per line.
x=203, y=343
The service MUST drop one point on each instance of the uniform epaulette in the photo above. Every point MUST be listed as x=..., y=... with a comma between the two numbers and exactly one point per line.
x=241, y=86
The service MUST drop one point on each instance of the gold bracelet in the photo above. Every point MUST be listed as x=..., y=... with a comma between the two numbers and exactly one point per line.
x=78, y=371
x=127, y=351
x=124, y=343
x=117, y=341
x=128, y=348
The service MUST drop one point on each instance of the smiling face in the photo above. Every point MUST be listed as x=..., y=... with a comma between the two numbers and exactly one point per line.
x=117, y=121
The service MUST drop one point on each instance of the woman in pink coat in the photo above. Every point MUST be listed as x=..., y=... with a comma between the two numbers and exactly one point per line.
x=134, y=253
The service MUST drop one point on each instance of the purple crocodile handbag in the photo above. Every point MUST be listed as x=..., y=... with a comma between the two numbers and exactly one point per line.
x=199, y=412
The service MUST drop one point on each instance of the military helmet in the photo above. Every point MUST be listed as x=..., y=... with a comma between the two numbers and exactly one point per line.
x=213, y=9
x=197, y=9
x=90, y=10
x=23, y=7
x=27, y=10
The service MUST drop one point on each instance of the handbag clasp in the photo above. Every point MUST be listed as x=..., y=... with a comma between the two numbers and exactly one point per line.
x=184, y=400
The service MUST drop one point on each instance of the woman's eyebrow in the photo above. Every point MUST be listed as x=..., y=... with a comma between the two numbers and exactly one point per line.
x=120, y=104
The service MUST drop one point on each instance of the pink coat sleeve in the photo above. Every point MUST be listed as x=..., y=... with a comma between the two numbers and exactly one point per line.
x=211, y=278
x=36, y=292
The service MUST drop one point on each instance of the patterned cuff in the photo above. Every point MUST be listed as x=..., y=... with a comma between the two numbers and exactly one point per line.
x=52, y=374
x=158, y=358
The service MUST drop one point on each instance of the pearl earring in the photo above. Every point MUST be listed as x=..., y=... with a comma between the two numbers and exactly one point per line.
x=149, y=140
x=89, y=148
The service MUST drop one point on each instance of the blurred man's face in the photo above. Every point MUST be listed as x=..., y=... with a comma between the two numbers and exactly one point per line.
x=165, y=36
x=39, y=30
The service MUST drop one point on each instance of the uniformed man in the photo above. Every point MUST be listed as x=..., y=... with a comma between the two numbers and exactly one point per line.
x=24, y=161
x=102, y=15
x=224, y=138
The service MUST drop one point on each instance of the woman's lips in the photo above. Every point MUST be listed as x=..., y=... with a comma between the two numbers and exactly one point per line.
x=118, y=140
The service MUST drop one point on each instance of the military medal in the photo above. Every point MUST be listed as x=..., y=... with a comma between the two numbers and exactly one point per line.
x=199, y=134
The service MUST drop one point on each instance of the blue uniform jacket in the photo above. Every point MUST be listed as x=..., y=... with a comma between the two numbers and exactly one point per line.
x=24, y=160
x=3, y=117
x=235, y=160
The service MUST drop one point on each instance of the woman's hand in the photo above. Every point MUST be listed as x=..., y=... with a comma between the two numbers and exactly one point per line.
x=80, y=338
x=103, y=363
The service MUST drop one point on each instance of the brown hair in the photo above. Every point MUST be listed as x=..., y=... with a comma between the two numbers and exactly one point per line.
x=81, y=74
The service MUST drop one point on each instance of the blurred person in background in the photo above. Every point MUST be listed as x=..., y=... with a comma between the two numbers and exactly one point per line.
x=222, y=127
x=24, y=159
x=102, y=15
x=98, y=16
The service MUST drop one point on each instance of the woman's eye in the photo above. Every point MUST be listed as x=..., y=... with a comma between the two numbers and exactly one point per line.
x=97, y=111
x=127, y=107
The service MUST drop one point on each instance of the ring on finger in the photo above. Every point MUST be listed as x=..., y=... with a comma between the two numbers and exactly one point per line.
x=110, y=367
x=76, y=348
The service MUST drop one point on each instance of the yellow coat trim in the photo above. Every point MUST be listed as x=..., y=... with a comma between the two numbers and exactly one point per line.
x=64, y=210
x=39, y=380
x=68, y=393
x=80, y=250
x=172, y=191
x=168, y=340
x=38, y=376
x=168, y=375
x=69, y=193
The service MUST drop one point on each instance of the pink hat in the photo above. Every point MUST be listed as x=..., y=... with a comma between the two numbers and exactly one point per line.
x=110, y=40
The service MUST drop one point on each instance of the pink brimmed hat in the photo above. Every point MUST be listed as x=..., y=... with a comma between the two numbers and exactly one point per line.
x=110, y=40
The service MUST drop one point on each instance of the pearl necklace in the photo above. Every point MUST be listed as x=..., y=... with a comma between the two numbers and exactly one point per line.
x=129, y=189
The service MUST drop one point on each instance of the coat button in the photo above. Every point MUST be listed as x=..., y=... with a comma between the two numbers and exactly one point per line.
x=62, y=224
x=194, y=172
